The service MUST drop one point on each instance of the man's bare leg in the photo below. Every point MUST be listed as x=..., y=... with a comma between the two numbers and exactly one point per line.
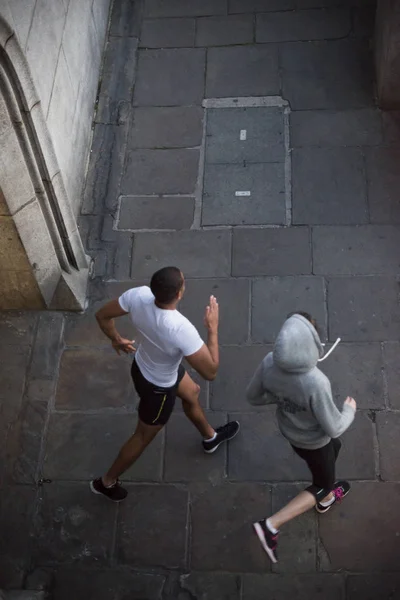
x=189, y=392
x=131, y=450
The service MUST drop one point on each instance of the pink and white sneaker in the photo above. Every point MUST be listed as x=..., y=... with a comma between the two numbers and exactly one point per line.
x=340, y=490
x=268, y=540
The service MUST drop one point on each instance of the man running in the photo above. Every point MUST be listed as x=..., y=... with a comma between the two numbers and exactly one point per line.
x=307, y=417
x=157, y=373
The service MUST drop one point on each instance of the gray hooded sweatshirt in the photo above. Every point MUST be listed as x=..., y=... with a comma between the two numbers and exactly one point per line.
x=289, y=377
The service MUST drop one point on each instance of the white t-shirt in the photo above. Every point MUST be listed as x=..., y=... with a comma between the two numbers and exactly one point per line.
x=166, y=336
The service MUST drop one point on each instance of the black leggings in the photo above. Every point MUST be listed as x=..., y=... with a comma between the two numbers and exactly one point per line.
x=321, y=463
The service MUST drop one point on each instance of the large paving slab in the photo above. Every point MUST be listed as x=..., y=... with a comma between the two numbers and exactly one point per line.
x=271, y=251
x=83, y=446
x=223, y=31
x=249, y=194
x=196, y=253
x=358, y=454
x=184, y=8
x=185, y=459
x=316, y=203
x=48, y=345
x=152, y=527
x=339, y=74
x=24, y=441
x=93, y=378
x=356, y=370
x=364, y=21
x=233, y=316
x=264, y=135
x=363, y=250
x=237, y=366
x=222, y=535
x=363, y=308
x=166, y=127
x=273, y=298
x=17, y=327
x=391, y=126
x=72, y=525
x=261, y=453
x=383, y=184
x=160, y=172
x=391, y=353
x=170, y=77
x=313, y=24
x=155, y=212
x=388, y=427
x=302, y=587
x=179, y=33
x=385, y=586
x=14, y=360
x=207, y=586
x=107, y=584
x=347, y=533
x=83, y=329
x=17, y=506
x=242, y=71
x=354, y=127
x=301, y=532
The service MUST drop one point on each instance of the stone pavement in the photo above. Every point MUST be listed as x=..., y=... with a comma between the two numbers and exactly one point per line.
x=239, y=140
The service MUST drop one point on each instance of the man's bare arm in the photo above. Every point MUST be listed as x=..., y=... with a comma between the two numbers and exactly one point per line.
x=105, y=318
x=206, y=360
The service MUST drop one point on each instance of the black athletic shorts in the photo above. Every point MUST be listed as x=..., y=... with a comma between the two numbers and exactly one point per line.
x=156, y=403
x=321, y=463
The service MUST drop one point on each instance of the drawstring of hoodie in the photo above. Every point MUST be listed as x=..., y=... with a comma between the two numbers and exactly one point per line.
x=330, y=351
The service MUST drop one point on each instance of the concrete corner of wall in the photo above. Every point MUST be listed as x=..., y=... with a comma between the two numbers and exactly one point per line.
x=42, y=259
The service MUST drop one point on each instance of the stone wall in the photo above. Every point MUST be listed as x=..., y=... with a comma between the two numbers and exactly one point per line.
x=50, y=61
x=387, y=54
x=63, y=42
x=18, y=286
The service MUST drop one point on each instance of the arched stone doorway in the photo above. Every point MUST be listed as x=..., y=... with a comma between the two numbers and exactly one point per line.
x=42, y=260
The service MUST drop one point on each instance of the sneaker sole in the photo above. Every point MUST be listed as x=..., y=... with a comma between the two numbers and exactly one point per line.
x=322, y=512
x=223, y=441
x=101, y=494
x=260, y=535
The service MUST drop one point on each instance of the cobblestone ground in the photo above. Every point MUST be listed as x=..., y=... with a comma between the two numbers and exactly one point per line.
x=240, y=141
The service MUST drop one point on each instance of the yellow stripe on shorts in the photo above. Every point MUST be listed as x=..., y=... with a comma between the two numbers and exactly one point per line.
x=161, y=407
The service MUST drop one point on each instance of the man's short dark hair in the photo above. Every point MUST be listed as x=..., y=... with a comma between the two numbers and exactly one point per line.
x=166, y=284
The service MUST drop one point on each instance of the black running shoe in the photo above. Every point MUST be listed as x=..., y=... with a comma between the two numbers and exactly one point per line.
x=224, y=433
x=268, y=540
x=116, y=492
x=340, y=490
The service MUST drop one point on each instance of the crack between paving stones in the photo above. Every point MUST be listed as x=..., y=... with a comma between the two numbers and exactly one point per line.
x=198, y=193
x=287, y=166
x=113, y=547
x=375, y=445
x=250, y=311
x=384, y=378
x=365, y=181
x=51, y=405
